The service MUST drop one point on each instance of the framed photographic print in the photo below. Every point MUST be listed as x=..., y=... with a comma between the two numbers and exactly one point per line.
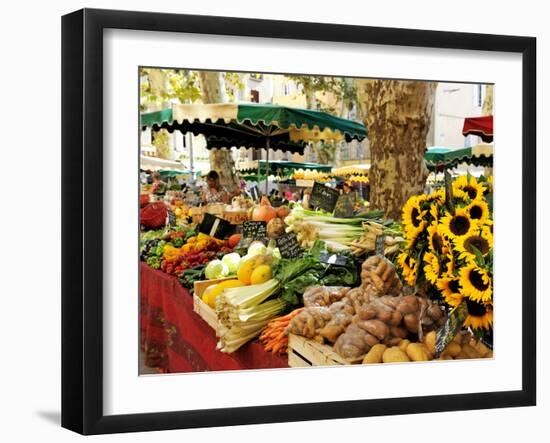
x=271, y=221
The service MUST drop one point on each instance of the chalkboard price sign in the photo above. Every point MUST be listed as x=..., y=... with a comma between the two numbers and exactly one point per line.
x=256, y=230
x=345, y=206
x=288, y=246
x=323, y=197
x=216, y=227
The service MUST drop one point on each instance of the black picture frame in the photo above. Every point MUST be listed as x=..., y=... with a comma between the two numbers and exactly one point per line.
x=82, y=215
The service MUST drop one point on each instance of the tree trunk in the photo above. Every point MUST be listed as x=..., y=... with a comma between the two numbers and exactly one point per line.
x=488, y=100
x=397, y=115
x=311, y=100
x=221, y=161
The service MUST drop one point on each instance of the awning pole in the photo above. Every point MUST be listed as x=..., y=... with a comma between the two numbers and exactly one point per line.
x=266, y=165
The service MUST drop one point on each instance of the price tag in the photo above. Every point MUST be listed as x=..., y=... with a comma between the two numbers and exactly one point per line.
x=345, y=206
x=323, y=197
x=215, y=227
x=447, y=332
x=288, y=246
x=379, y=244
x=256, y=230
x=333, y=259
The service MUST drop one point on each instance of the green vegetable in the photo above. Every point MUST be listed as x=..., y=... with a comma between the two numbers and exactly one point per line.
x=153, y=262
x=160, y=248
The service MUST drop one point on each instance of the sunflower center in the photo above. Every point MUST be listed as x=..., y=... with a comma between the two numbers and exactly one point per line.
x=477, y=242
x=454, y=286
x=471, y=191
x=459, y=225
x=475, y=309
x=476, y=212
x=437, y=243
x=415, y=217
x=477, y=280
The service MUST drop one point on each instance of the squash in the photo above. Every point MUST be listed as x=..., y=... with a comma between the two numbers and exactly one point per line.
x=282, y=211
x=264, y=212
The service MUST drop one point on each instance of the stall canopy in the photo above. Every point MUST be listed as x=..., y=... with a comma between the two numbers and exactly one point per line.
x=351, y=170
x=480, y=126
x=156, y=163
x=281, y=167
x=447, y=158
x=256, y=126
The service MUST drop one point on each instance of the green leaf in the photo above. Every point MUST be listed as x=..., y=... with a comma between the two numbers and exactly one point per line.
x=479, y=256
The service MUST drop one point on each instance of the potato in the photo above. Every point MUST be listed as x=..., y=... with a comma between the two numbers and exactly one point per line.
x=370, y=340
x=403, y=344
x=411, y=322
x=396, y=318
x=417, y=352
x=375, y=327
x=392, y=341
x=452, y=349
x=408, y=305
x=399, y=331
x=481, y=349
x=384, y=315
x=394, y=355
x=429, y=341
x=375, y=354
x=470, y=351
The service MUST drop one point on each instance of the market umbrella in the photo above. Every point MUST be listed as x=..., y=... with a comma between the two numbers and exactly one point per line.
x=439, y=158
x=257, y=126
x=481, y=126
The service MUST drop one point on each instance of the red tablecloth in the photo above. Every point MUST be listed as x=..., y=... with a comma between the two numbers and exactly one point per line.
x=176, y=339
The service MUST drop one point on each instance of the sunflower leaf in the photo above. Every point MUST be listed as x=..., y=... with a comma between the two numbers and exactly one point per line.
x=479, y=256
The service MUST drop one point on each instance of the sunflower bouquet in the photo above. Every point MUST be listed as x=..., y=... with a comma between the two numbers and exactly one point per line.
x=449, y=247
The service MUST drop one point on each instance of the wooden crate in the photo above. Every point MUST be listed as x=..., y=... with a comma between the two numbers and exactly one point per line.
x=305, y=353
x=205, y=312
x=200, y=286
x=201, y=308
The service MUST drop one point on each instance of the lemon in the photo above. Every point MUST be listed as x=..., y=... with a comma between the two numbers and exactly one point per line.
x=212, y=292
x=261, y=274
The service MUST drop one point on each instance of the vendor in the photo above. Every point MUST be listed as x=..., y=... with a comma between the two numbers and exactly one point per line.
x=215, y=193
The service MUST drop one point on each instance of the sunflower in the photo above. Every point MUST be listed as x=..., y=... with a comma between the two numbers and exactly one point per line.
x=413, y=215
x=437, y=196
x=478, y=210
x=476, y=282
x=409, y=267
x=448, y=260
x=468, y=187
x=432, y=269
x=479, y=315
x=450, y=290
x=458, y=225
x=480, y=239
x=435, y=239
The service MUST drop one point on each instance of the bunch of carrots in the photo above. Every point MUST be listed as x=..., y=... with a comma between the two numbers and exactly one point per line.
x=274, y=337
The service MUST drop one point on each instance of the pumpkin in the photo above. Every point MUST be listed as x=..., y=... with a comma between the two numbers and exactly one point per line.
x=264, y=212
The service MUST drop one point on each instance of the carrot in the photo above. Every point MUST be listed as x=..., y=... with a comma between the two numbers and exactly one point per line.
x=278, y=346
